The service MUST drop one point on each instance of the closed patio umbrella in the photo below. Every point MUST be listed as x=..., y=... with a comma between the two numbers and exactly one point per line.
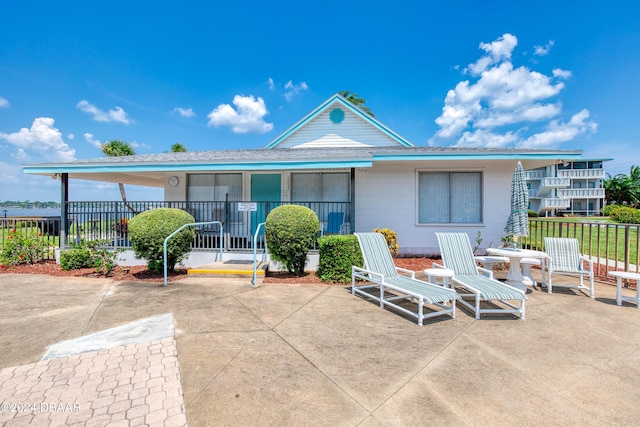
x=518, y=222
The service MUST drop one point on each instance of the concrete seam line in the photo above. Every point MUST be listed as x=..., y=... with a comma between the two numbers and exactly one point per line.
x=213, y=378
x=323, y=373
x=95, y=310
x=299, y=308
x=424, y=367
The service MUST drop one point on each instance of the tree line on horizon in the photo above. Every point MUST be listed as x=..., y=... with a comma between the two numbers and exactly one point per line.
x=28, y=204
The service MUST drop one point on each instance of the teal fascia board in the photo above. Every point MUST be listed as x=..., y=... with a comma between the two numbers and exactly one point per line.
x=352, y=108
x=197, y=167
x=476, y=156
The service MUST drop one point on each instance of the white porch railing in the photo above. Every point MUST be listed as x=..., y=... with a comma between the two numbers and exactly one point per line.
x=581, y=173
x=554, y=203
x=538, y=174
x=582, y=193
x=555, y=182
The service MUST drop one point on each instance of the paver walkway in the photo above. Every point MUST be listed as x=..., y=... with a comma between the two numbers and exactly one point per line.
x=131, y=385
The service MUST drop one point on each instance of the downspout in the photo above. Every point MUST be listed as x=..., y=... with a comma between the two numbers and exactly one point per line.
x=64, y=199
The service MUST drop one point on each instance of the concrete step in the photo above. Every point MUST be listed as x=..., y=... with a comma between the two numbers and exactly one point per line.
x=230, y=268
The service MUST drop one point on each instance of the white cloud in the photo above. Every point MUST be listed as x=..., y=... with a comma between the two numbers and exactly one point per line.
x=560, y=73
x=497, y=51
x=41, y=142
x=10, y=174
x=543, y=50
x=91, y=140
x=4, y=103
x=506, y=105
x=114, y=115
x=184, y=112
x=247, y=117
x=291, y=90
x=137, y=145
x=532, y=113
x=482, y=138
x=557, y=132
x=71, y=136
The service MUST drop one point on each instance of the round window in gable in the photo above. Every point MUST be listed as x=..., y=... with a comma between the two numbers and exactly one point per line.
x=336, y=115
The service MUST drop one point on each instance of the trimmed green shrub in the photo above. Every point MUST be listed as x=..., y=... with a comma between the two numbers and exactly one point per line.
x=89, y=254
x=625, y=215
x=338, y=253
x=149, y=229
x=609, y=210
x=291, y=232
x=532, y=214
x=76, y=258
x=391, y=238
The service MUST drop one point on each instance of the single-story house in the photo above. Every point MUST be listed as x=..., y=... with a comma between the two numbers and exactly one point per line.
x=353, y=171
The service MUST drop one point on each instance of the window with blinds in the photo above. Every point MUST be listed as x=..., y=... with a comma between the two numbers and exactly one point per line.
x=320, y=187
x=449, y=197
x=214, y=187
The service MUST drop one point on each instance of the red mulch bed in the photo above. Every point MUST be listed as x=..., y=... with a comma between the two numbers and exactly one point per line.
x=141, y=273
x=414, y=264
x=133, y=273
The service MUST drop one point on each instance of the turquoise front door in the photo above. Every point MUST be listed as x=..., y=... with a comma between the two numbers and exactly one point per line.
x=265, y=188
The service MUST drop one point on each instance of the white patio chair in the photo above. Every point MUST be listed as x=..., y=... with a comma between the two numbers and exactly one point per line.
x=380, y=280
x=477, y=282
x=565, y=259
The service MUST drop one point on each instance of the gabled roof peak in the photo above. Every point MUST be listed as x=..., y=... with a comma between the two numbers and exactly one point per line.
x=354, y=112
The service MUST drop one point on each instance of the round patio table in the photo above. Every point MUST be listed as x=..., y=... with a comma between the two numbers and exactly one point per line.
x=515, y=277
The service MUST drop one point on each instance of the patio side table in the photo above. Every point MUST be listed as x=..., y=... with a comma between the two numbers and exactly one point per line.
x=443, y=273
x=619, y=275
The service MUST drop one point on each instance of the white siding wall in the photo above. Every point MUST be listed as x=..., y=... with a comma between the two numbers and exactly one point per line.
x=386, y=196
x=353, y=131
x=175, y=194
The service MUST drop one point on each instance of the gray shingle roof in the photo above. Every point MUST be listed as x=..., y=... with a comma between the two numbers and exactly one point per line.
x=264, y=155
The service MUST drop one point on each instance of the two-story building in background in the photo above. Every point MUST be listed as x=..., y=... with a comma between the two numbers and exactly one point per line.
x=570, y=188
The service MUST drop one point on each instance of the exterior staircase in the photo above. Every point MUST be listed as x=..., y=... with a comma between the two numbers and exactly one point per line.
x=230, y=268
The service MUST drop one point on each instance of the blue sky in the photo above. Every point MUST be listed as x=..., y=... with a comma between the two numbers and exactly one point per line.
x=224, y=75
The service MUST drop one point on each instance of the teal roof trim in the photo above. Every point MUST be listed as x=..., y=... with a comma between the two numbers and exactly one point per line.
x=477, y=156
x=196, y=167
x=320, y=109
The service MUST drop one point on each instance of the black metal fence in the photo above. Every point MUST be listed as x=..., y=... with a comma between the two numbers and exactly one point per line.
x=612, y=246
x=40, y=228
x=109, y=220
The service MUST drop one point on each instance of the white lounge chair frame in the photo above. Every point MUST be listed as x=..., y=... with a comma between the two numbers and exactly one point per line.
x=476, y=282
x=565, y=259
x=380, y=280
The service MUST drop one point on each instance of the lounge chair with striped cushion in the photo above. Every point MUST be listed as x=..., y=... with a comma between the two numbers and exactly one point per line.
x=565, y=259
x=381, y=281
x=476, y=282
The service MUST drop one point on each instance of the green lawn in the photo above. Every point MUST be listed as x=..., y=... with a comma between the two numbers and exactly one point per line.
x=597, y=237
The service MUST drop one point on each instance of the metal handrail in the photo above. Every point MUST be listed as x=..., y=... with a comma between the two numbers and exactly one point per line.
x=164, y=244
x=255, y=254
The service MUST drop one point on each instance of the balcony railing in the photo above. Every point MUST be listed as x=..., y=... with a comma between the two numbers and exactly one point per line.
x=582, y=193
x=109, y=220
x=611, y=246
x=536, y=174
x=555, y=182
x=581, y=173
x=554, y=203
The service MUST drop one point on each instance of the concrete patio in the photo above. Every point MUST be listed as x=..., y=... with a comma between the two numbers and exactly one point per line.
x=316, y=355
